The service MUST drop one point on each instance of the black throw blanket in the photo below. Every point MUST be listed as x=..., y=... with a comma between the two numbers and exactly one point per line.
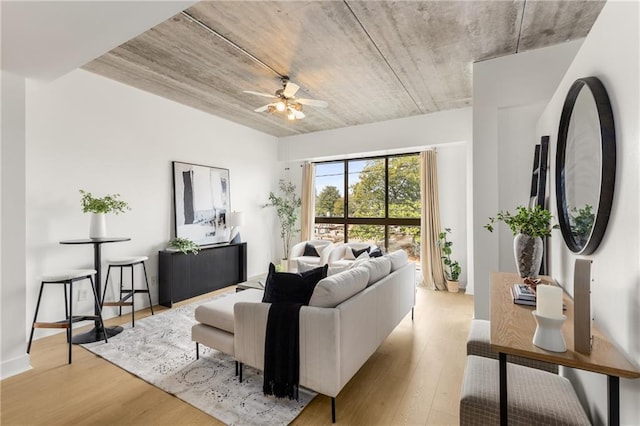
x=282, y=351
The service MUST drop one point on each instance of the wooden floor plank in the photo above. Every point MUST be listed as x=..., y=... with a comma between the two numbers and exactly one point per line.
x=413, y=379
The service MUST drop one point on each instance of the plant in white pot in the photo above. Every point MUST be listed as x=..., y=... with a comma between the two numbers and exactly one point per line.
x=99, y=207
x=452, y=268
x=286, y=205
x=528, y=226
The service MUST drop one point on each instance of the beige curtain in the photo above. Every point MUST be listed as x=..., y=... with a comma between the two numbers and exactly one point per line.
x=308, y=201
x=430, y=254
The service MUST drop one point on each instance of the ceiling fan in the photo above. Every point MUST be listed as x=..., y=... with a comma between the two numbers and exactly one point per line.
x=284, y=101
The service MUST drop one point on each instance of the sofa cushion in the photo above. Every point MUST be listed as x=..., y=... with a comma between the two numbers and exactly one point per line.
x=219, y=312
x=398, y=259
x=291, y=287
x=335, y=289
x=376, y=252
x=351, y=253
x=378, y=268
x=310, y=250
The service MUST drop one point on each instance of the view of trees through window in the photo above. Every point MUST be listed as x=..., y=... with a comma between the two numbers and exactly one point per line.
x=375, y=200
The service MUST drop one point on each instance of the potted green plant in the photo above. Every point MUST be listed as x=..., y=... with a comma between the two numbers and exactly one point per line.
x=286, y=205
x=452, y=268
x=185, y=245
x=528, y=225
x=99, y=207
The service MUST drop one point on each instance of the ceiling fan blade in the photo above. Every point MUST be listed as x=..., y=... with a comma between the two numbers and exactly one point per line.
x=258, y=93
x=313, y=102
x=263, y=108
x=290, y=89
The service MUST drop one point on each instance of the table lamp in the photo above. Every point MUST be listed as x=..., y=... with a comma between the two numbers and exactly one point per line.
x=234, y=221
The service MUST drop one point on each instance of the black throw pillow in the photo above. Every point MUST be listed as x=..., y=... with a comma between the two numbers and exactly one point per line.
x=292, y=287
x=357, y=253
x=376, y=252
x=310, y=250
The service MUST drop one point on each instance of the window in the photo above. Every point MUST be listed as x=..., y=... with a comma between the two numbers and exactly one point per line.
x=375, y=200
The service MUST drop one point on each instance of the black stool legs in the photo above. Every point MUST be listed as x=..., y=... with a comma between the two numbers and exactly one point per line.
x=67, y=323
x=127, y=295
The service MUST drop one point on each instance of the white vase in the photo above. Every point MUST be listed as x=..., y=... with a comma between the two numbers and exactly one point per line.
x=528, y=253
x=98, y=227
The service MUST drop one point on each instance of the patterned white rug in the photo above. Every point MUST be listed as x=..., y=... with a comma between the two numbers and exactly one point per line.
x=159, y=350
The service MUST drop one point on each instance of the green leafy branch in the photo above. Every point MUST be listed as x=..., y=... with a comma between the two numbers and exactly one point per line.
x=107, y=204
x=534, y=222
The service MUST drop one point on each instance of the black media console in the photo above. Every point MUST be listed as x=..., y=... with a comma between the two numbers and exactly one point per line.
x=183, y=276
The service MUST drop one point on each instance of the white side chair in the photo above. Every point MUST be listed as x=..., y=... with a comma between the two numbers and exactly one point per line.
x=127, y=295
x=323, y=247
x=67, y=278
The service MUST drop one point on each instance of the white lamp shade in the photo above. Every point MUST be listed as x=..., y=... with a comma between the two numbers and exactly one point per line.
x=235, y=219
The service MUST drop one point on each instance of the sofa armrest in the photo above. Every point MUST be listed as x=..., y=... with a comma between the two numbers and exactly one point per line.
x=250, y=323
x=325, y=253
x=297, y=250
x=336, y=254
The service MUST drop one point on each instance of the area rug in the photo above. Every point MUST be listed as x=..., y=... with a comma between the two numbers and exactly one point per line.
x=159, y=350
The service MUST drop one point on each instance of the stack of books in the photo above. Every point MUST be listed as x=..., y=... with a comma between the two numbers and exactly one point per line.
x=523, y=294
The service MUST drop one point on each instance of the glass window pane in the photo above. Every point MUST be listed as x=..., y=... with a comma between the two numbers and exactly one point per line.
x=372, y=234
x=405, y=238
x=330, y=189
x=404, y=187
x=367, y=188
x=329, y=231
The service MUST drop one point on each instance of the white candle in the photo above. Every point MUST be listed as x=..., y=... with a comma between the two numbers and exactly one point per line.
x=549, y=301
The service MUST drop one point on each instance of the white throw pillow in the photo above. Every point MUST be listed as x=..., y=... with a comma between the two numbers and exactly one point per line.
x=379, y=267
x=335, y=289
x=398, y=259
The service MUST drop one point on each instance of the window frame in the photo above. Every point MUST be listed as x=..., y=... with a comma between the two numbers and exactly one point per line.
x=386, y=221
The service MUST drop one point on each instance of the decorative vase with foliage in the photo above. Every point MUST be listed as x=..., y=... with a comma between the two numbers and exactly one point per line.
x=452, y=268
x=528, y=226
x=185, y=245
x=286, y=204
x=99, y=207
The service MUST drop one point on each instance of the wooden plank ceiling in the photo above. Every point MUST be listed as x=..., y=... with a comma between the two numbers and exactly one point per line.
x=371, y=60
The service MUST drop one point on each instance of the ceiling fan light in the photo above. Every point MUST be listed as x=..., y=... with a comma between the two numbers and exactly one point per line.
x=281, y=106
x=291, y=115
x=298, y=107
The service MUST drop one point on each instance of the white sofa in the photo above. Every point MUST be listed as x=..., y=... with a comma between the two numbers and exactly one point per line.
x=356, y=310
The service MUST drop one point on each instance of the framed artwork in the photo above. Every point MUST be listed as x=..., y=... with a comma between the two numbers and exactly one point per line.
x=201, y=198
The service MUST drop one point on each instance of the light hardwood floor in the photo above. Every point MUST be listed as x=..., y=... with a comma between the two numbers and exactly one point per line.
x=413, y=378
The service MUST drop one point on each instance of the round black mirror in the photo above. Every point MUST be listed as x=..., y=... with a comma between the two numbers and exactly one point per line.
x=585, y=165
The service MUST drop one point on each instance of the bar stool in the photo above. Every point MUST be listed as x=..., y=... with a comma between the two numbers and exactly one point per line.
x=67, y=278
x=126, y=294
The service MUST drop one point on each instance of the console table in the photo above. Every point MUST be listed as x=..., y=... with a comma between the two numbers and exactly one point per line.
x=512, y=329
x=182, y=276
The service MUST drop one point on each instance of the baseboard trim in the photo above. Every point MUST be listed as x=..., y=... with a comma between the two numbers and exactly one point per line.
x=14, y=366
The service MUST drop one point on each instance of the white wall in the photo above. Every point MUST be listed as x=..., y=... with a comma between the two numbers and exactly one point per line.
x=517, y=140
x=385, y=137
x=88, y=132
x=12, y=226
x=520, y=80
x=448, y=131
x=610, y=52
